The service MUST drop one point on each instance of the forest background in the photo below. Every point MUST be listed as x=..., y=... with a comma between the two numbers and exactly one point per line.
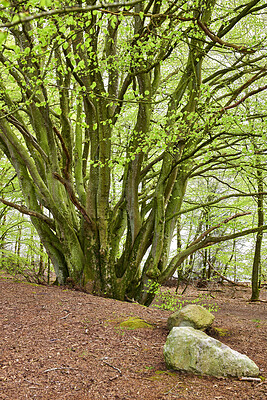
x=133, y=142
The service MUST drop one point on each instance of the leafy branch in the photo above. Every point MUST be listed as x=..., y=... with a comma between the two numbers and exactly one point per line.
x=22, y=19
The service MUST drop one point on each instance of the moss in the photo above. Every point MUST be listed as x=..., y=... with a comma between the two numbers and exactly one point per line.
x=135, y=323
x=160, y=372
x=222, y=331
x=161, y=375
x=32, y=284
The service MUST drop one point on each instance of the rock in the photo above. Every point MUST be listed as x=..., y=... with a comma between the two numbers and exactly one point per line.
x=191, y=350
x=193, y=315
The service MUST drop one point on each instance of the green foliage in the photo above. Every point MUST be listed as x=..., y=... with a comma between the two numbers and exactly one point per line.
x=167, y=299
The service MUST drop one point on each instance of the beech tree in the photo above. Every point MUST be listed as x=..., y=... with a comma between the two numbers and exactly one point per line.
x=107, y=110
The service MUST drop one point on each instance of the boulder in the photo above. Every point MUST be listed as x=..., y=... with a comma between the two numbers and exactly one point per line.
x=193, y=315
x=191, y=350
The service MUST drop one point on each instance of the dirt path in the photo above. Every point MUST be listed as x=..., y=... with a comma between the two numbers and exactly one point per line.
x=63, y=344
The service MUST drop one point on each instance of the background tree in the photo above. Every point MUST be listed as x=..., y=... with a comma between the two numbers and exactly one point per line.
x=109, y=111
x=21, y=253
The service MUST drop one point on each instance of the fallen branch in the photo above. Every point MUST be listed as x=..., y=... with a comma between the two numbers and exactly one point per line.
x=258, y=301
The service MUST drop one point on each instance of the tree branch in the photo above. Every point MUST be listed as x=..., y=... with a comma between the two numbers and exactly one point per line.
x=260, y=89
x=26, y=211
x=74, y=199
x=210, y=203
x=67, y=10
x=68, y=159
x=216, y=39
x=27, y=135
x=212, y=228
x=201, y=244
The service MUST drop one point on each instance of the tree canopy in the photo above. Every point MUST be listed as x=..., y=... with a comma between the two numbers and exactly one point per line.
x=107, y=113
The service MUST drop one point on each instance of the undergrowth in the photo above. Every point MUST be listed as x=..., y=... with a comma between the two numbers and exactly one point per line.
x=168, y=300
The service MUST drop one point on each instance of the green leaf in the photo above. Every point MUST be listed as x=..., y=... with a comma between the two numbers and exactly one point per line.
x=4, y=3
x=45, y=3
x=16, y=18
x=3, y=36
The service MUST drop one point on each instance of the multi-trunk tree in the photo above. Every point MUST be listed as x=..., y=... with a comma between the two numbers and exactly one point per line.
x=107, y=110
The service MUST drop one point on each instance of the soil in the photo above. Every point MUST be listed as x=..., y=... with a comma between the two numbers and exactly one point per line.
x=57, y=343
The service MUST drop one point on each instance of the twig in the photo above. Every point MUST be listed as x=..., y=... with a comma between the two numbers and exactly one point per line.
x=65, y=316
x=114, y=377
x=32, y=383
x=260, y=89
x=112, y=366
x=250, y=379
x=169, y=391
x=57, y=368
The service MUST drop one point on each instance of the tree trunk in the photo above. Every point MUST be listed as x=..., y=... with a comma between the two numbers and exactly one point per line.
x=257, y=254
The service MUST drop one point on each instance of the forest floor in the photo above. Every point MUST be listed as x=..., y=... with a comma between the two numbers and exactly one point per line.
x=57, y=343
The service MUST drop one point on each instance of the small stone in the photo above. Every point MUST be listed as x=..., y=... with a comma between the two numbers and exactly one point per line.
x=192, y=315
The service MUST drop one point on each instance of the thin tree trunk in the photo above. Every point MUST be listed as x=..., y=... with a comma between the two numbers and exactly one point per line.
x=257, y=254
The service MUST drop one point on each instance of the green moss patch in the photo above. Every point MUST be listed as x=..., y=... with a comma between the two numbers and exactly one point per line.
x=222, y=331
x=160, y=375
x=135, y=323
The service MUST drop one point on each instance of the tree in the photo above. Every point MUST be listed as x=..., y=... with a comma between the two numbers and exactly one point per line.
x=21, y=253
x=108, y=110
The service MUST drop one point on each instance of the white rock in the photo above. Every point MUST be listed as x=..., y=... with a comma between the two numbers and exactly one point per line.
x=191, y=350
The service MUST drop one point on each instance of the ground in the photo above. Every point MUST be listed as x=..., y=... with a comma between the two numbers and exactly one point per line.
x=59, y=343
